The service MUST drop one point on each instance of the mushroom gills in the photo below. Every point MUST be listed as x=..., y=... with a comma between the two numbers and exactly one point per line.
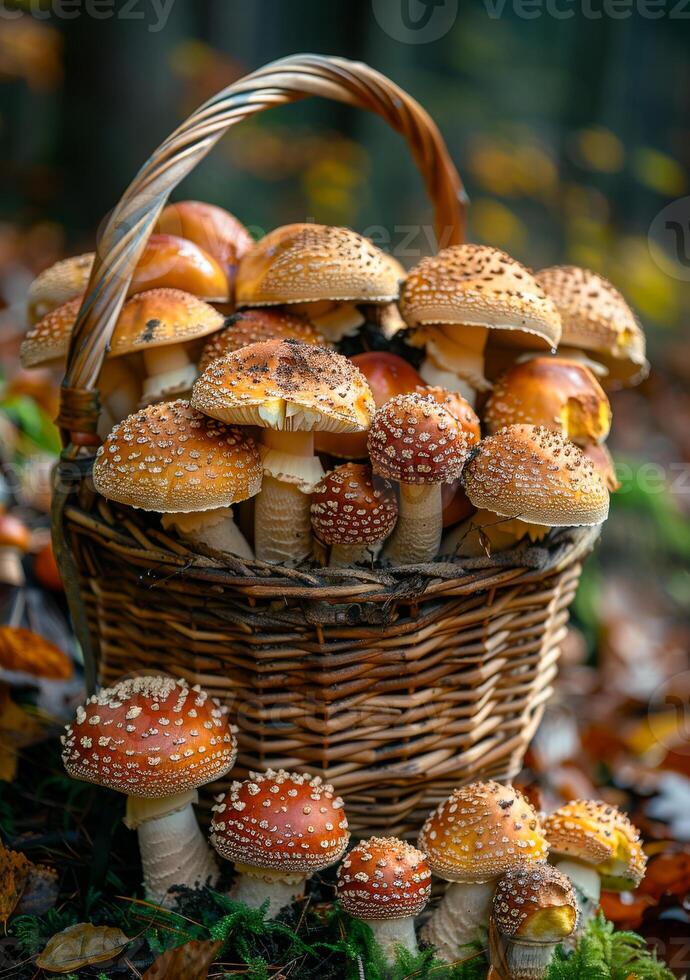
x=587, y=887
x=417, y=534
x=169, y=372
x=254, y=886
x=214, y=528
x=455, y=358
x=334, y=320
x=461, y=918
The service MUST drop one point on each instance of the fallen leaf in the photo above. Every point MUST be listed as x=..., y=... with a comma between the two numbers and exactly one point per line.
x=22, y=650
x=188, y=962
x=14, y=874
x=81, y=945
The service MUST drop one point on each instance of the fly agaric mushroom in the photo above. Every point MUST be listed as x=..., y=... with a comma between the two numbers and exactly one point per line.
x=597, y=847
x=386, y=882
x=353, y=513
x=526, y=479
x=417, y=442
x=14, y=542
x=156, y=740
x=533, y=910
x=253, y=326
x=171, y=262
x=603, y=463
x=214, y=229
x=597, y=324
x=324, y=272
x=289, y=389
x=555, y=392
x=171, y=459
x=478, y=834
x=59, y=283
x=455, y=299
x=279, y=828
x=159, y=324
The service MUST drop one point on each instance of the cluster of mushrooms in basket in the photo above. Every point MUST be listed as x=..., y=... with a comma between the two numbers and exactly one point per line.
x=304, y=398
x=528, y=881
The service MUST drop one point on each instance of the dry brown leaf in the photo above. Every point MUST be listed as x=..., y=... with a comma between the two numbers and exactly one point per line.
x=188, y=962
x=14, y=874
x=30, y=653
x=81, y=945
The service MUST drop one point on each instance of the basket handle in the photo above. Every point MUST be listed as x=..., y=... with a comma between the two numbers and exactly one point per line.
x=127, y=230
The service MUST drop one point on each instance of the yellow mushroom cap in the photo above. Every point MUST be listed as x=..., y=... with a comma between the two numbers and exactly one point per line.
x=286, y=385
x=535, y=475
x=254, y=326
x=161, y=317
x=536, y=904
x=57, y=284
x=48, y=340
x=596, y=317
x=171, y=459
x=480, y=286
x=149, y=737
x=480, y=832
x=304, y=263
x=384, y=878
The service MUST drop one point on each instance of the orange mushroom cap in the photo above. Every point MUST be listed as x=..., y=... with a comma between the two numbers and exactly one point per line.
x=253, y=326
x=536, y=904
x=384, y=878
x=214, y=229
x=170, y=261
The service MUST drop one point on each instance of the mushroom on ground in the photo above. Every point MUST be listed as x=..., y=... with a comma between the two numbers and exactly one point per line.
x=279, y=828
x=417, y=442
x=455, y=299
x=533, y=910
x=289, y=389
x=171, y=459
x=156, y=740
x=171, y=262
x=324, y=272
x=353, y=513
x=14, y=542
x=252, y=327
x=385, y=882
x=478, y=834
x=59, y=283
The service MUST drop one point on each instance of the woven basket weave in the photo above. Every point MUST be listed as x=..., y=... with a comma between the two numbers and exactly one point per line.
x=394, y=684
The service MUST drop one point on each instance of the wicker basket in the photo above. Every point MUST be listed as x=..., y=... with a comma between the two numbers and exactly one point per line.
x=396, y=685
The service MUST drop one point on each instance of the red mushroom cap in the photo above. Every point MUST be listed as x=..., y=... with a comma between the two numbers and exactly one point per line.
x=350, y=507
x=281, y=821
x=150, y=737
x=384, y=878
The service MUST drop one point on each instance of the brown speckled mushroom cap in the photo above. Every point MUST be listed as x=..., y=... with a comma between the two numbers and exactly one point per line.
x=477, y=285
x=171, y=459
x=350, y=507
x=48, y=340
x=604, y=464
x=480, y=832
x=384, y=878
x=149, y=737
x=286, y=385
x=596, y=317
x=558, y=393
x=280, y=821
x=533, y=474
x=254, y=326
x=304, y=263
x=160, y=317
x=57, y=284
x=414, y=439
x=536, y=904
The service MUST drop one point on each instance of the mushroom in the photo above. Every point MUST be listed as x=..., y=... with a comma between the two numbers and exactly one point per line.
x=526, y=479
x=214, y=229
x=160, y=324
x=597, y=324
x=157, y=740
x=321, y=271
x=476, y=835
x=556, y=392
x=455, y=299
x=596, y=846
x=416, y=441
x=534, y=909
x=173, y=460
x=58, y=284
x=603, y=463
x=253, y=326
x=289, y=389
x=14, y=542
x=279, y=828
x=353, y=513
x=386, y=882
x=171, y=262
x=387, y=375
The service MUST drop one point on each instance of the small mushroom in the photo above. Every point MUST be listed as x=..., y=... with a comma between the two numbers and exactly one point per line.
x=171, y=262
x=353, y=513
x=14, y=542
x=279, y=828
x=386, y=882
x=59, y=283
x=253, y=327
x=214, y=229
x=478, y=834
x=533, y=910
x=156, y=740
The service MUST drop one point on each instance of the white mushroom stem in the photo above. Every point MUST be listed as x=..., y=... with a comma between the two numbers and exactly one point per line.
x=437, y=377
x=214, y=528
x=120, y=390
x=522, y=960
x=169, y=371
x=587, y=887
x=334, y=320
x=391, y=934
x=417, y=534
x=461, y=918
x=344, y=555
x=254, y=886
x=173, y=849
x=282, y=516
x=11, y=570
